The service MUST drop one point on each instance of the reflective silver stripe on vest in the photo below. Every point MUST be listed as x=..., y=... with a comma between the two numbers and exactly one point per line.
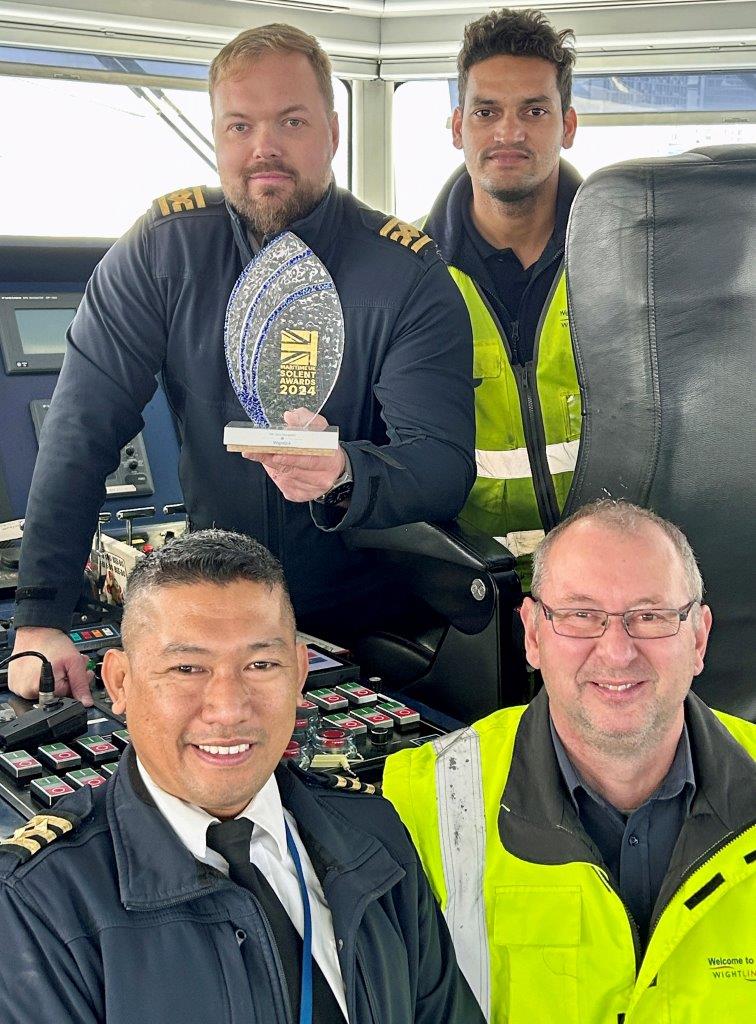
x=515, y=464
x=462, y=832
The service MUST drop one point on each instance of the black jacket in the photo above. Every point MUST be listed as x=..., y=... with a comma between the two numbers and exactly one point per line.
x=156, y=306
x=117, y=921
x=446, y=225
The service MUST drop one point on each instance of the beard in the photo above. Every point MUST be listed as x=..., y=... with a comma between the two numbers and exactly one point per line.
x=272, y=211
x=525, y=191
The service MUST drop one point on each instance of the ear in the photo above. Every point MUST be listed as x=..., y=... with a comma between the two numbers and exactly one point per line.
x=335, y=132
x=303, y=667
x=457, y=127
x=701, y=632
x=570, y=127
x=529, y=615
x=115, y=671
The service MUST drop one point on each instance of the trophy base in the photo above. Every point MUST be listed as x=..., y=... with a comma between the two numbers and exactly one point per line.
x=245, y=437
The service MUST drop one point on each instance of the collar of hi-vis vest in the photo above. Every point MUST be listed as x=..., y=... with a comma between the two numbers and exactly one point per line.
x=446, y=224
x=538, y=823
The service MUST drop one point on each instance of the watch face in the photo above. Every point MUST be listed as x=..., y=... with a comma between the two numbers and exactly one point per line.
x=338, y=494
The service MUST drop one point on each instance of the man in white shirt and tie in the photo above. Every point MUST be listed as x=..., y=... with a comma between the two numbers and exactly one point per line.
x=202, y=883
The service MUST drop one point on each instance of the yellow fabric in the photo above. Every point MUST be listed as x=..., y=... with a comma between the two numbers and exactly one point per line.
x=561, y=946
x=499, y=506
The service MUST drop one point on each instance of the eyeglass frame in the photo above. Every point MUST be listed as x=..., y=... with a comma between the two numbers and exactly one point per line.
x=682, y=616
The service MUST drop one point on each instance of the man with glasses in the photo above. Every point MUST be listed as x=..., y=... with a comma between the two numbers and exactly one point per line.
x=594, y=852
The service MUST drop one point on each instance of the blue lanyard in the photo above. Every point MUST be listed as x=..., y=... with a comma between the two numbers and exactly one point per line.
x=305, y=1001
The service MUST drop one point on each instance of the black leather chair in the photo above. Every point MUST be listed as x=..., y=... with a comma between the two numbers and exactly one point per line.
x=661, y=273
x=456, y=652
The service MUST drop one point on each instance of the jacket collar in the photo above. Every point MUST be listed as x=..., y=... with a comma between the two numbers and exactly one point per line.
x=536, y=804
x=446, y=222
x=156, y=870
x=319, y=229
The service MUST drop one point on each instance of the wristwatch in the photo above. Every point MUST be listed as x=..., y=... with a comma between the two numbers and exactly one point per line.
x=342, y=487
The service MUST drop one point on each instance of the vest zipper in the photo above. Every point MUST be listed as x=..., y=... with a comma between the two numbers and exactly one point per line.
x=535, y=441
x=634, y=929
x=532, y=423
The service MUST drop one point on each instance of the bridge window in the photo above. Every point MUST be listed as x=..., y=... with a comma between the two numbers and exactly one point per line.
x=620, y=117
x=88, y=141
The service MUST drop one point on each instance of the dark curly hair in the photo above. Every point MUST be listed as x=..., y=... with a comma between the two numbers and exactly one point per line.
x=524, y=33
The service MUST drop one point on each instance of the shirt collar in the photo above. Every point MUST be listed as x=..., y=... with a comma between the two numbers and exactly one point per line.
x=679, y=776
x=190, y=822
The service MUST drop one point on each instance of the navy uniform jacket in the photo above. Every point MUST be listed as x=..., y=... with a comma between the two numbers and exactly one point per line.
x=156, y=306
x=117, y=921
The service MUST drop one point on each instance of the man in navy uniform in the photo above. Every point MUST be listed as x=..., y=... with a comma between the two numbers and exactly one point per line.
x=204, y=882
x=156, y=306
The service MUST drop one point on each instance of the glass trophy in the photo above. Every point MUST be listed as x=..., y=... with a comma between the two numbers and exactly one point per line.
x=284, y=339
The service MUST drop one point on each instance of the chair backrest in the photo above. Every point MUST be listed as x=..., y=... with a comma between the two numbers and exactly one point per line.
x=457, y=651
x=661, y=276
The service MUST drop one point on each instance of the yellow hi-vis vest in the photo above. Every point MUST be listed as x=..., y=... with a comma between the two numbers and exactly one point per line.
x=552, y=943
x=544, y=395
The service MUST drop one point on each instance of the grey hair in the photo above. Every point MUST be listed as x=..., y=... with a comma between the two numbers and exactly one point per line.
x=629, y=518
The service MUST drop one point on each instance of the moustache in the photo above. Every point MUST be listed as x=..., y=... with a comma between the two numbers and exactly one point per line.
x=505, y=151
x=269, y=167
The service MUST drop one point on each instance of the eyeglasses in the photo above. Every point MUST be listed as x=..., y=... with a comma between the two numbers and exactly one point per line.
x=639, y=623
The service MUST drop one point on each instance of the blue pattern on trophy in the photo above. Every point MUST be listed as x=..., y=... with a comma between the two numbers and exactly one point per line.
x=284, y=332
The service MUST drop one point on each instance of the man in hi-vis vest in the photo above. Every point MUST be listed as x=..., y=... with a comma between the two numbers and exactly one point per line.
x=594, y=854
x=500, y=224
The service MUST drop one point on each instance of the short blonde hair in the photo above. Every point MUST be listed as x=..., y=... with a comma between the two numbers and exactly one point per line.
x=254, y=43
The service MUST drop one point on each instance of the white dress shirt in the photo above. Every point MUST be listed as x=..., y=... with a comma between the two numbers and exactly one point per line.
x=269, y=852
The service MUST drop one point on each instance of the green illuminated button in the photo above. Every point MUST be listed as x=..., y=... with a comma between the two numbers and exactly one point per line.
x=58, y=755
x=20, y=765
x=121, y=738
x=356, y=693
x=345, y=721
x=109, y=768
x=96, y=749
x=48, y=790
x=399, y=713
x=327, y=699
x=85, y=777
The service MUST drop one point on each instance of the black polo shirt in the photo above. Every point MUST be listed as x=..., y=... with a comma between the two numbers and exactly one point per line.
x=508, y=281
x=637, y=847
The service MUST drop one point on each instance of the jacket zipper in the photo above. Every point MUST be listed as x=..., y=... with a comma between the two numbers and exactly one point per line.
x=535, y=440
x=166, y=904
x=704, y=859
x=374, y=1018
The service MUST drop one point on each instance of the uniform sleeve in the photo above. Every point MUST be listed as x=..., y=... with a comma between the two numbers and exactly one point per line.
x=427, y=402
x=115, y=348
x=40, y=979
x=443, y=992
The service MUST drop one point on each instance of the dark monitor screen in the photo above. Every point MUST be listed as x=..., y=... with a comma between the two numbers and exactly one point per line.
x=33, y=330
x=44, y=330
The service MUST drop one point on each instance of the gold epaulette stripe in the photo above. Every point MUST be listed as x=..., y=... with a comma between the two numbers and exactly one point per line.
x=353, y=785
x=37, y=833
x=405, y=234
x=183, y=200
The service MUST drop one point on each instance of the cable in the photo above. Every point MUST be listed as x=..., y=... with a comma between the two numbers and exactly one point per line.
x=46, y=676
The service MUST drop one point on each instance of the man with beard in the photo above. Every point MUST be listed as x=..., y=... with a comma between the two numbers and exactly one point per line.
x=156, y=305
x=593, y=852
x=500, y=224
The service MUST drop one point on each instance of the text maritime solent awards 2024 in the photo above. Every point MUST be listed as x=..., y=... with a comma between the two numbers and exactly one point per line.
x=284, y=341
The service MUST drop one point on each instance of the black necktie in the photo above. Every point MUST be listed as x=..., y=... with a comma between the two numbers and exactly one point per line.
x=231, y=840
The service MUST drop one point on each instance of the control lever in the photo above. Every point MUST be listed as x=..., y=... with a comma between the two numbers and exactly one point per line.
x=177, y=509
x=128, y=515
x=52, y=720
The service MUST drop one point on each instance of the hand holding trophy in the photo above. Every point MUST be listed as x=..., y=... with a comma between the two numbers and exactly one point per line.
x=284, y=340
